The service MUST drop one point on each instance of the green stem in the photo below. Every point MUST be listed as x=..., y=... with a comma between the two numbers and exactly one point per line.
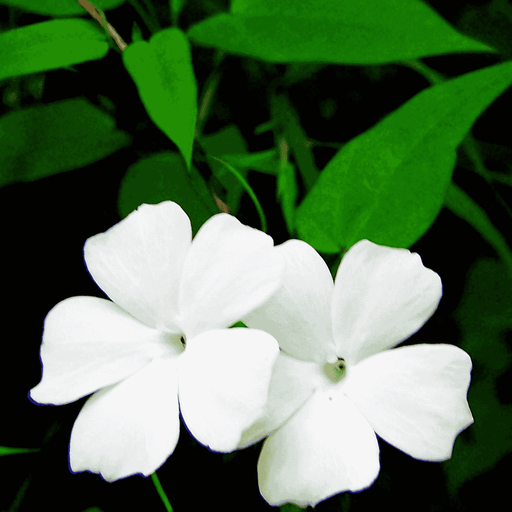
x=161, y=492
x=248, y=189
x=151, y=23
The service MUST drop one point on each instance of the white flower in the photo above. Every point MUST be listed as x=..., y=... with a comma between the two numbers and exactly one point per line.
x=335, y=383
x=165, y=334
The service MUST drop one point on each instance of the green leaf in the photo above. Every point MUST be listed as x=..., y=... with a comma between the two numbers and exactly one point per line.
x=389, y=183
x=164, y=176
x=50, y=45
x=60, y=7
x=483, y=316
x=49, y=139
x=464, y=207
x=362, y=32
x=7, y=450
x=162, y=70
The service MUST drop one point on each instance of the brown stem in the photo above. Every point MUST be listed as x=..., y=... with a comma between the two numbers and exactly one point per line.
x=93, y=11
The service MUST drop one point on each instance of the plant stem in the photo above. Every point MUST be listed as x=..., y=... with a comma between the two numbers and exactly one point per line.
x=161, y=492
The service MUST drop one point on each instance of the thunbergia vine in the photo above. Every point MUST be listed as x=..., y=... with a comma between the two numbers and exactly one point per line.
x=336, y=385
x=162, y=344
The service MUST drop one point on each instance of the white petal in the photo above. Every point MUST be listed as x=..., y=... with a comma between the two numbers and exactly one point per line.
x=129, y=428
x=89, y=343
x=230, y=270
x=224, y=376
x=381, y=297
x=326, y=448
x=138, y=262
x=292, y=383
x=298, y=315
x=414, y=397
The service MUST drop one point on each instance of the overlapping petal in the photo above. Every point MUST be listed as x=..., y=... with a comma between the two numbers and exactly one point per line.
x=298, y=314
x=381, y=297
x=414, y=397
x=292, y=383
x=230, y=270
x=138, y=262
x=89, y=343
x=131, y=427
x=224, y=377
x=326, y=448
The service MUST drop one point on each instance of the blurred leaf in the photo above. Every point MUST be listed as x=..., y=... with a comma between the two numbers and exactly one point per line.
x=227, y=140
x=176, y=8
x=164, y=176
x=136, y=33
x=484, y=315
x=288, y=123
x=59, y=7
x=49, y=139
x=93, y=509
x=287, y=193
x=464, y=207
x=389, y=183
x=362, y=32
x=162, y=70
x=7, y=450
x=260, y=161
x=50, y=45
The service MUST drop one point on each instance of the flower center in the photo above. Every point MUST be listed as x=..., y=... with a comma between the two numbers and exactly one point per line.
x=335, y=371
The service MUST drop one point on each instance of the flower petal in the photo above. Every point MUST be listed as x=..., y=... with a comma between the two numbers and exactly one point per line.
x=89, y=343
x=326, y=448
x=298, y=315
x=129, y=428
x=230, y=270
x=414, y=397
x=138, y=262
x=292, y=383
x=381, y=297
x=224, y=376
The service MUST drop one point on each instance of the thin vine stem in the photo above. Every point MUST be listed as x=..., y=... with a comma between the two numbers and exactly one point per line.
x=161, y=492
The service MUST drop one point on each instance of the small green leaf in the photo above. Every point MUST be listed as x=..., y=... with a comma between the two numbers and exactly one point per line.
x=48, y=139
x=343, y=32
x=7, y=450
x=389, y=183
x=162, y=70
x=50, y=45
x=163, y=176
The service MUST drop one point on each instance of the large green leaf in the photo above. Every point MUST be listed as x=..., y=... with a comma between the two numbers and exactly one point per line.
x=344, y=32
x=59, y=7
x=164, y=176
x=389, y=183
x=50, y=45
x=48, y=139
x=162, y=70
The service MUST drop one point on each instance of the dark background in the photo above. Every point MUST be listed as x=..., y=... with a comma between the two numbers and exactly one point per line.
x=45, y=224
